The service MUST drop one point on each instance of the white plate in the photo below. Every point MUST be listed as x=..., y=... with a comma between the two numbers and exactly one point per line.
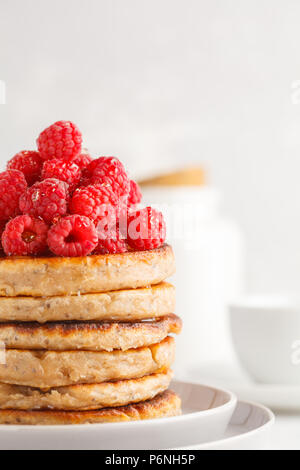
x=249, y=429
x=206, y=414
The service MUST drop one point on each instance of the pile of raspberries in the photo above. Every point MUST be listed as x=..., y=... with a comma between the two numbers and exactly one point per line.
x=59, y=200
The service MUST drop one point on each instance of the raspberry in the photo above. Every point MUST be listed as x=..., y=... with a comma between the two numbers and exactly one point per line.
x=96, y=202
x=12, y=185
x=146, y=229
x=46, y=199
x=87, y=173
x=85, y=180
x=29, y=163
x=110, y=245
x=82, y=160
x=92, y=165
x=110, y=238
x=110, y=171
x=135, y=195
x=25, y=235
x=2, y=227
x=73, y=235
x=62, y=170
x=61, y=140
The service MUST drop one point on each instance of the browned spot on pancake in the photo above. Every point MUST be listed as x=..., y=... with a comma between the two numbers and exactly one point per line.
x=70, y=327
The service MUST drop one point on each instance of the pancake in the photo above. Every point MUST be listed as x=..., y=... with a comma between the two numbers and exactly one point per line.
x=163, y=405
x=87, y=336
x=122, y=305
x=87, y=396
x=47, y=369
x=39, y=277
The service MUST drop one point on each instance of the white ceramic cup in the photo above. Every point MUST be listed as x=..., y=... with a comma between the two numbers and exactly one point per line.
x=266, y=336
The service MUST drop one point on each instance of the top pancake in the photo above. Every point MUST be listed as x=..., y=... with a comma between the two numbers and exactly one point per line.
x=39, y=277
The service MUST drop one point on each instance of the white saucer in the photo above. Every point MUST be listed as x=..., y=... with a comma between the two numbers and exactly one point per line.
x=277, y=397
x=206, y=414
x=249, y=429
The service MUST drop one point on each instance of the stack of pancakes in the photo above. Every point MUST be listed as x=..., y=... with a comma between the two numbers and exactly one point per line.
x=87, y=340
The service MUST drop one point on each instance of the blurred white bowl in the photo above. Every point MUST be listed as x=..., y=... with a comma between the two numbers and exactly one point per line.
x=266, y=336
x=209, y=270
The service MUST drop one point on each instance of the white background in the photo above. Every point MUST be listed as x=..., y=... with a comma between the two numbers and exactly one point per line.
x=162, y=83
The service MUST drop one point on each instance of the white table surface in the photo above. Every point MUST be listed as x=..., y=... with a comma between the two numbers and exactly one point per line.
x=286, y=432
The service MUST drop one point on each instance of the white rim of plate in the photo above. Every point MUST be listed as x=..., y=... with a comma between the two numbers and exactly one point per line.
x=227, y=440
